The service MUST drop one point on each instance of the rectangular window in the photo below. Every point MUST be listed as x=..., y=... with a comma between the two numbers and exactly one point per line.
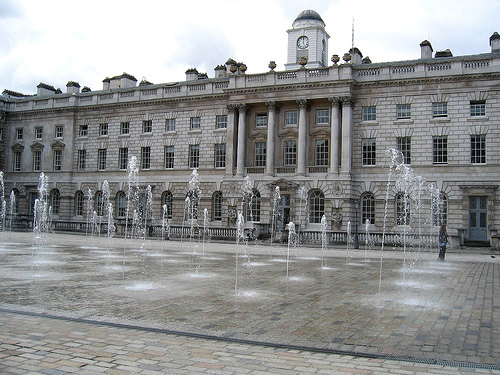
x=221, y=122
x=17, y=161
x=124, y=127
x=220, y=155
x=403, y=111
x=170, y=125
x=321, y=152
x=195, y=123
x=145, y=157
x=260, y=154
x=369, y=113
x=261, y=120
x=57, y=160
x=123, y=158
x=290, y=153
x=322, y=116
x=38, y=132
x=58, y=131
x=440, y=109
x=84, y=130
x=478, y=149
x=291, y=118
x=147, y=126
x=19, y=134
x=194, y=156
x=103, y=129
x=440, y=150
x=169, y=157
x=404, y=145
x=477, y=108
x=37, y=161
x=102, y=154
x=369, y=151
x=82, y=159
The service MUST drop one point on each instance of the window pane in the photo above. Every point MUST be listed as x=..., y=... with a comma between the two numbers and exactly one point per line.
x=369, y=151
x=403, y=111
x=169, y=157
x=291, y=118
x=322, y=116
x=369, y=113
x=321, y=154
x=221, y=122
x=261, y=120
x=290, y=153
x=260, y=154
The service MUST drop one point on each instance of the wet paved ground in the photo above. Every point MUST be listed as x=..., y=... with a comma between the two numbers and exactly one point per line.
x=332, y=311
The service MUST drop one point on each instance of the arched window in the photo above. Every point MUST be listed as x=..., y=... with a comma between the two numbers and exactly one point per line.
x=99, y=201
x=368, y=208
x=121, y=204
x=55, y=201
x=253, y=209
x=79, y=203
x=167, y=200
x=440, y=210
x=316, y=206
x=402, y=209
x=217, y=206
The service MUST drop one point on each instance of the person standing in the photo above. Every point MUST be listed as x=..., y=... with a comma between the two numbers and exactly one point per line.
x=443, y=240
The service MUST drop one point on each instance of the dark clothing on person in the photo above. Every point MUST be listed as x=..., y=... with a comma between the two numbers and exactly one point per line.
x=443, y=240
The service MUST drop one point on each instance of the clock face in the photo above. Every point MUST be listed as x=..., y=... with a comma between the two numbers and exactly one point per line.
x=303, y=42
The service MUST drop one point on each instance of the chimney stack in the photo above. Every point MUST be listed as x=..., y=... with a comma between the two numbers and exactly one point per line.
x=72, y=87
x=426, y=50
x=356, y=56
x=495, y=42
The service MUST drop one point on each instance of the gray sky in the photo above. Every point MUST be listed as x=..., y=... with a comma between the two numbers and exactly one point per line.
x=56, y=41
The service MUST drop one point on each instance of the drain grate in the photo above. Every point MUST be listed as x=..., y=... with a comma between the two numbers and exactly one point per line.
x=261, y=343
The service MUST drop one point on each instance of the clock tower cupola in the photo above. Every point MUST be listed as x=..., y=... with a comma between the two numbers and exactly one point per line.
x=307, y=38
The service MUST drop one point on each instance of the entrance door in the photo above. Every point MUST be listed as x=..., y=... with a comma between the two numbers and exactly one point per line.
x=478, y=209
x=283, y=212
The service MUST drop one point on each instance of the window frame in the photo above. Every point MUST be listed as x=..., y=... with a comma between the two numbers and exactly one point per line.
x=291, y=118
x=147, y=126
x=369, y=151
x=477, y=108
x=81, y=162
x=316, y=205
x=57, y=162
x=170, y=125
x=123, y=158
x=321, y=153
x=322, y=116
x=367, y=208
x=439, y=109
x=260, y=154
x=38, y=132
x=478, y=149
x=217, y=199
x=261, y=120
x=194, y=156
x=83, y=130
x=102, y=155
x=59, y=131
x=169, y=157
x=290, y=153
x=16, y=161
x=221, y=122
x=103, y=129
x=403, y=111
x=37, y=160
x=403, y=144
x=19, y=134
x=370, y=113
x=440, y=149
x=124, y=127
x=195, y=123
x=146, y=158
x=220, y=155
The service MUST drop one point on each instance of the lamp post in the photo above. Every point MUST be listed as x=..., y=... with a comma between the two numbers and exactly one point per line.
x=356, y=237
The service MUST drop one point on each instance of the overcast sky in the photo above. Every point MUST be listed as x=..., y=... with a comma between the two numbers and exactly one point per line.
x=56, y=41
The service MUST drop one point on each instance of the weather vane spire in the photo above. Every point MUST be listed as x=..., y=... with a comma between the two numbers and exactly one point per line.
x=352, y=32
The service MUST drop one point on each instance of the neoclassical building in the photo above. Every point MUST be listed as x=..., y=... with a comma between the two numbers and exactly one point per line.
x=319, y=130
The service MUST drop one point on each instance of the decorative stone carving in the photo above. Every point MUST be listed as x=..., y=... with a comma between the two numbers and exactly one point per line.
x=346, y=57
x=335, y=59
x=336, y=219
x=272, y=65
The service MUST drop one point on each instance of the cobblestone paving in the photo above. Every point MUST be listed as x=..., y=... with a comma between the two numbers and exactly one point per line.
x=401, y=305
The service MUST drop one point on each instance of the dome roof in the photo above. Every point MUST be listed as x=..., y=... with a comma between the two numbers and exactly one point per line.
x=309, y=15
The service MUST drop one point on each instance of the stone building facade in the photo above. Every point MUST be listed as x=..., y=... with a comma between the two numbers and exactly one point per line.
x=319, y=131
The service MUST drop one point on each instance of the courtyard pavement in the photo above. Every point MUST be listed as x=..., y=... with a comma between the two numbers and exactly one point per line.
x=71, y=303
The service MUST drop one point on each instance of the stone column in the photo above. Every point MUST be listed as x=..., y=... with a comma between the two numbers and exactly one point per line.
x=230, y=149
x=347, y=130
x=271, y=111
x=302, y=139
x=334, y=136
x=240, y=161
